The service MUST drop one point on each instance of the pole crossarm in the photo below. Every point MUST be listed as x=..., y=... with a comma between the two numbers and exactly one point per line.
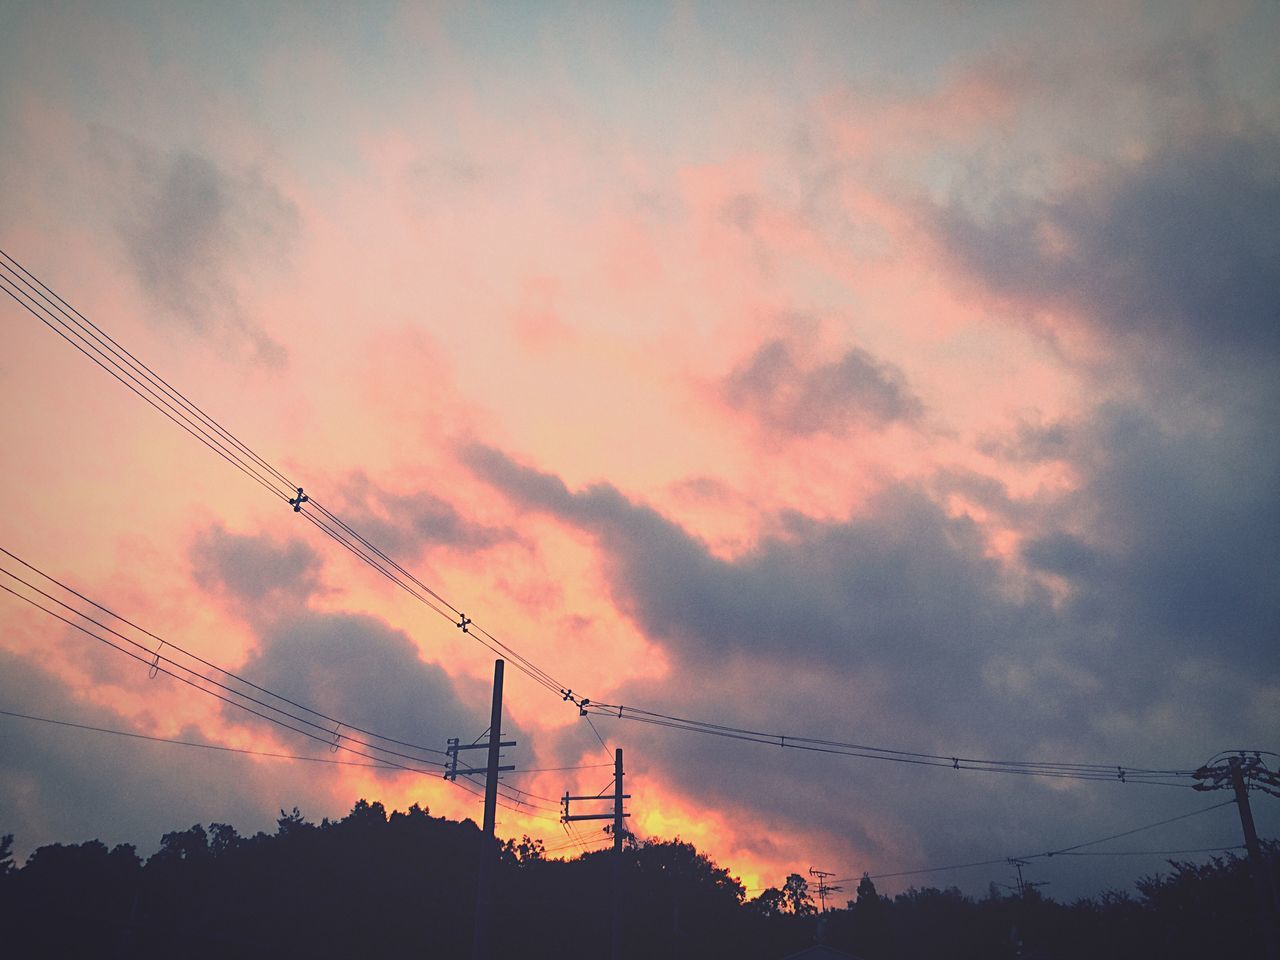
x=454, y=745
x=1251, y=767
x=616, y=800
x=824, y=888
x=589, y=816
x=452, y=772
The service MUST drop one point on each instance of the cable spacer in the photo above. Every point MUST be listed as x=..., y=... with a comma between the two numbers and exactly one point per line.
x=464, y=622
x=155, y=663
x=298, y=501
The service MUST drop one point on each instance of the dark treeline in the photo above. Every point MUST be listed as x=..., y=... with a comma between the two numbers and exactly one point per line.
x=373, y=885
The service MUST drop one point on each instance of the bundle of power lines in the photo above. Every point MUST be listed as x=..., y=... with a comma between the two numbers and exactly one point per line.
x=157, y=655
x=59, y=316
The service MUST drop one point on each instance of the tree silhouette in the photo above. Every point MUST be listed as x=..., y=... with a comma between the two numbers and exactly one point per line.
x=771, y=902
x=795, y=893
x=377, y=884
x=870, y=921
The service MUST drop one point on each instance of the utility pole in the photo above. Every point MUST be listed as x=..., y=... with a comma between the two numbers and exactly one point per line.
x=1262, y=879
x=482, y=944
x=618, y=832
x=1025, y=886
x=1234, y=774
x=617, y=854
x=824, y=888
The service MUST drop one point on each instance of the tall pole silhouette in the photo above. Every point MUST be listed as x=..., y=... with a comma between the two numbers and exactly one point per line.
x=1241, y=773
x=482, y=945
x=618, y=796
x=1263, y=884
x=619, y=831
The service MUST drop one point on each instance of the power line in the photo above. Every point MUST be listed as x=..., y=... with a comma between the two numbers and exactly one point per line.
x=43, y=303
x=581, y=766
x=104, y=356
x=1062, y=851
x=607, y=751
x=161, y=664
x=228, y=673
x=102, y=337
x=1047, y=769
x=1152, y=853
x=194, y=743
x=52, y=310
x=213, y=693
x=1127, y=833
x=583, y=845
x=156, y=657
x=525, y=793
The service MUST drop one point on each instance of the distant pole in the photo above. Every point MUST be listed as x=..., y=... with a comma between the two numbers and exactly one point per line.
x=1262, y=881
x=618, y=828
x=483, y=942
x=824, y=888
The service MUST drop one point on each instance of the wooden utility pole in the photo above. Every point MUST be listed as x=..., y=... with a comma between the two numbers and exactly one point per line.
x=1263, y=883
x=1234, y=773
x=617, y=854
x=619, y=832
x=482, y=945
x=824, y=888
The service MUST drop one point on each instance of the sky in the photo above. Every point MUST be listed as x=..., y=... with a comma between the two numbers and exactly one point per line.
x=901, y=374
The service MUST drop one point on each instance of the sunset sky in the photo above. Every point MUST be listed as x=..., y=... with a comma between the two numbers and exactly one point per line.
x=903, y=374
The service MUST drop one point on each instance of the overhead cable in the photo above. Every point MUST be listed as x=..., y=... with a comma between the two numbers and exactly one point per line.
x=51, y=309
x=1072, y=850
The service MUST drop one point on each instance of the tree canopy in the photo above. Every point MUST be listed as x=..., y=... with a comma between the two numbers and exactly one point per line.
x=376, y=884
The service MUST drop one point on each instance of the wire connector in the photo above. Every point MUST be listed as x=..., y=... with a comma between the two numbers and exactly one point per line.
x=580, y=702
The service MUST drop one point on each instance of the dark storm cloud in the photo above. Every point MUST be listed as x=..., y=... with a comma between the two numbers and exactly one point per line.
x=881, y=816
x=1182, y=551
x=895, y=628
x=1168, y=547
x=1062, y=553
x=404, y=524
x=905, y=582
x=191, y=231
x=254, y=570
x=353, y=667
x=1030, y=442
x=834, y=398
x=60, y=784
x=1179, y=248
x=358, y=669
